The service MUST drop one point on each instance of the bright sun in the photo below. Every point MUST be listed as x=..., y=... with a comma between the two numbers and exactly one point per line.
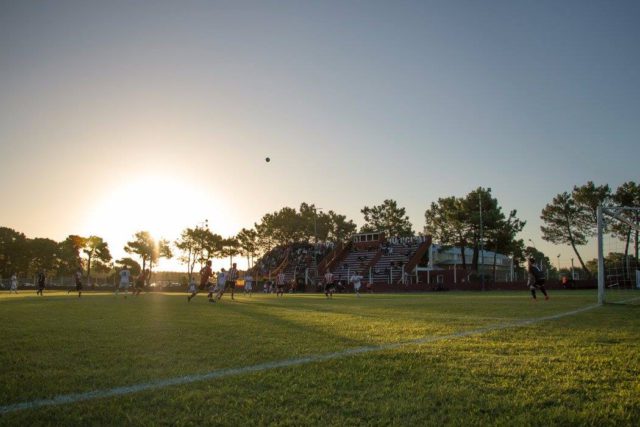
x=162, y=205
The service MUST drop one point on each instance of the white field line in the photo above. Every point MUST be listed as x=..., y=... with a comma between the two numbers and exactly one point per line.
x=626, y=301
x=229, y=372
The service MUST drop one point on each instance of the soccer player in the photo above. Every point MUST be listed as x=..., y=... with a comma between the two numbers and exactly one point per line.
x=41, y=279
x=125, y=278
x=356, y=279
x=218, y=286
x=14, y=283
x=280, y=284
x=230, y=282
x=535, y=279
x=192, y=289
x=248, y=283
x=140, y=282
x=205, y=274
x=329, y=286
x=78, y=279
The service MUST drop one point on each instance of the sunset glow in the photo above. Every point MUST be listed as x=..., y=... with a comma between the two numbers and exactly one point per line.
x=164, y=205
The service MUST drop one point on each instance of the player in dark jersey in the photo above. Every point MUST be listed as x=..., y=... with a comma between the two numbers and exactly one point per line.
x=140, y=282
x=41, y=279
x=329, y=284
x=536, y=279
x=205, y=274
x=230, y=282
x=78, y=280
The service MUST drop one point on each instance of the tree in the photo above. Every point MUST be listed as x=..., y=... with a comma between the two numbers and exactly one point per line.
x=162, y=250
x=447, y=223
x=588, y=197
x=143, y=245
x=230, y=248
x=95, y=248
x=248, y=244
x=471, y=222
x=503, y=238
x=69, y=254
x=193, y=243
x=288, y=226
x=572, y=218
x=310, y=223
x=339, y=228
x=282, y=227
x=387, y=218
x=43, y=255
x=14, y=257
x=484, y=217
x=628, y=194
x=148, y=249
x=566, y=223
x=212, y=245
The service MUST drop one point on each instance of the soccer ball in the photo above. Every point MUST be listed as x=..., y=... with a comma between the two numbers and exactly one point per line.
x=267, y=160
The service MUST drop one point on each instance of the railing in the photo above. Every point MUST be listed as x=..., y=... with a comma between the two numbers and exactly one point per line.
x=338, y=253
x=322, y=265
x=415, y=259
x=282, y=265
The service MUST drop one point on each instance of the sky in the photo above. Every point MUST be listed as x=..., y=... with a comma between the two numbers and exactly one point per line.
x=122, y=116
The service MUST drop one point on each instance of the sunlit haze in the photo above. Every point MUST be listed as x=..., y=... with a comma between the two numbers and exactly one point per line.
x=117, y=117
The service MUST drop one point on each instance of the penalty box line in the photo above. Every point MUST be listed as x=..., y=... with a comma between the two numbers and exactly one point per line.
x=230, y=372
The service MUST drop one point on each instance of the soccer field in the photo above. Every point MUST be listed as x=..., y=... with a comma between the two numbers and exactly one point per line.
x=402, y=359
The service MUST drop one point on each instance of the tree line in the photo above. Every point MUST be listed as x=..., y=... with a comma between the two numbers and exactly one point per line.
x=570, y=218
x=475, y=221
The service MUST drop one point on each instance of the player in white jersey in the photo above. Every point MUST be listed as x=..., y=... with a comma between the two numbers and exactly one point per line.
x=14, y=283
x=218, y=289
x=280, y=284
x=356, y=279
x=193, y=287
x=248, y=283
x=125, y=278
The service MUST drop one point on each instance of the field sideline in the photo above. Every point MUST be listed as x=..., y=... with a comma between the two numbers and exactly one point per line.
x=444, y=358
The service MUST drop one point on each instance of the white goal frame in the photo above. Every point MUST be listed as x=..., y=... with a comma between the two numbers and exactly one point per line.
x=614, y=212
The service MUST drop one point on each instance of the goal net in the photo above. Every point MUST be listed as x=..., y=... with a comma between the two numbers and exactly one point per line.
x=618, y=268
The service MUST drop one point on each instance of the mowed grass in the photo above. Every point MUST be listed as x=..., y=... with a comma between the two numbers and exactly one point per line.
x=581, y=369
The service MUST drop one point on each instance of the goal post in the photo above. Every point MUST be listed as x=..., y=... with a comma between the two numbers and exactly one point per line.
x=600, y=220
x=617, y=246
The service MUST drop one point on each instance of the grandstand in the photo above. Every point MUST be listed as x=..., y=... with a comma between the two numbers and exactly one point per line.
x=378, y=259
x=395, y=263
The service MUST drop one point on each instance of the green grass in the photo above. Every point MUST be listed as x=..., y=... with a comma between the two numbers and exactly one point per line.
x=577, y=370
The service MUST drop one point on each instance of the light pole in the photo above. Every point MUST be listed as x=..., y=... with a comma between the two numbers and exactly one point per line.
x=573, y=274
x=481, y=238
x=315, y=233
x=558, y=266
